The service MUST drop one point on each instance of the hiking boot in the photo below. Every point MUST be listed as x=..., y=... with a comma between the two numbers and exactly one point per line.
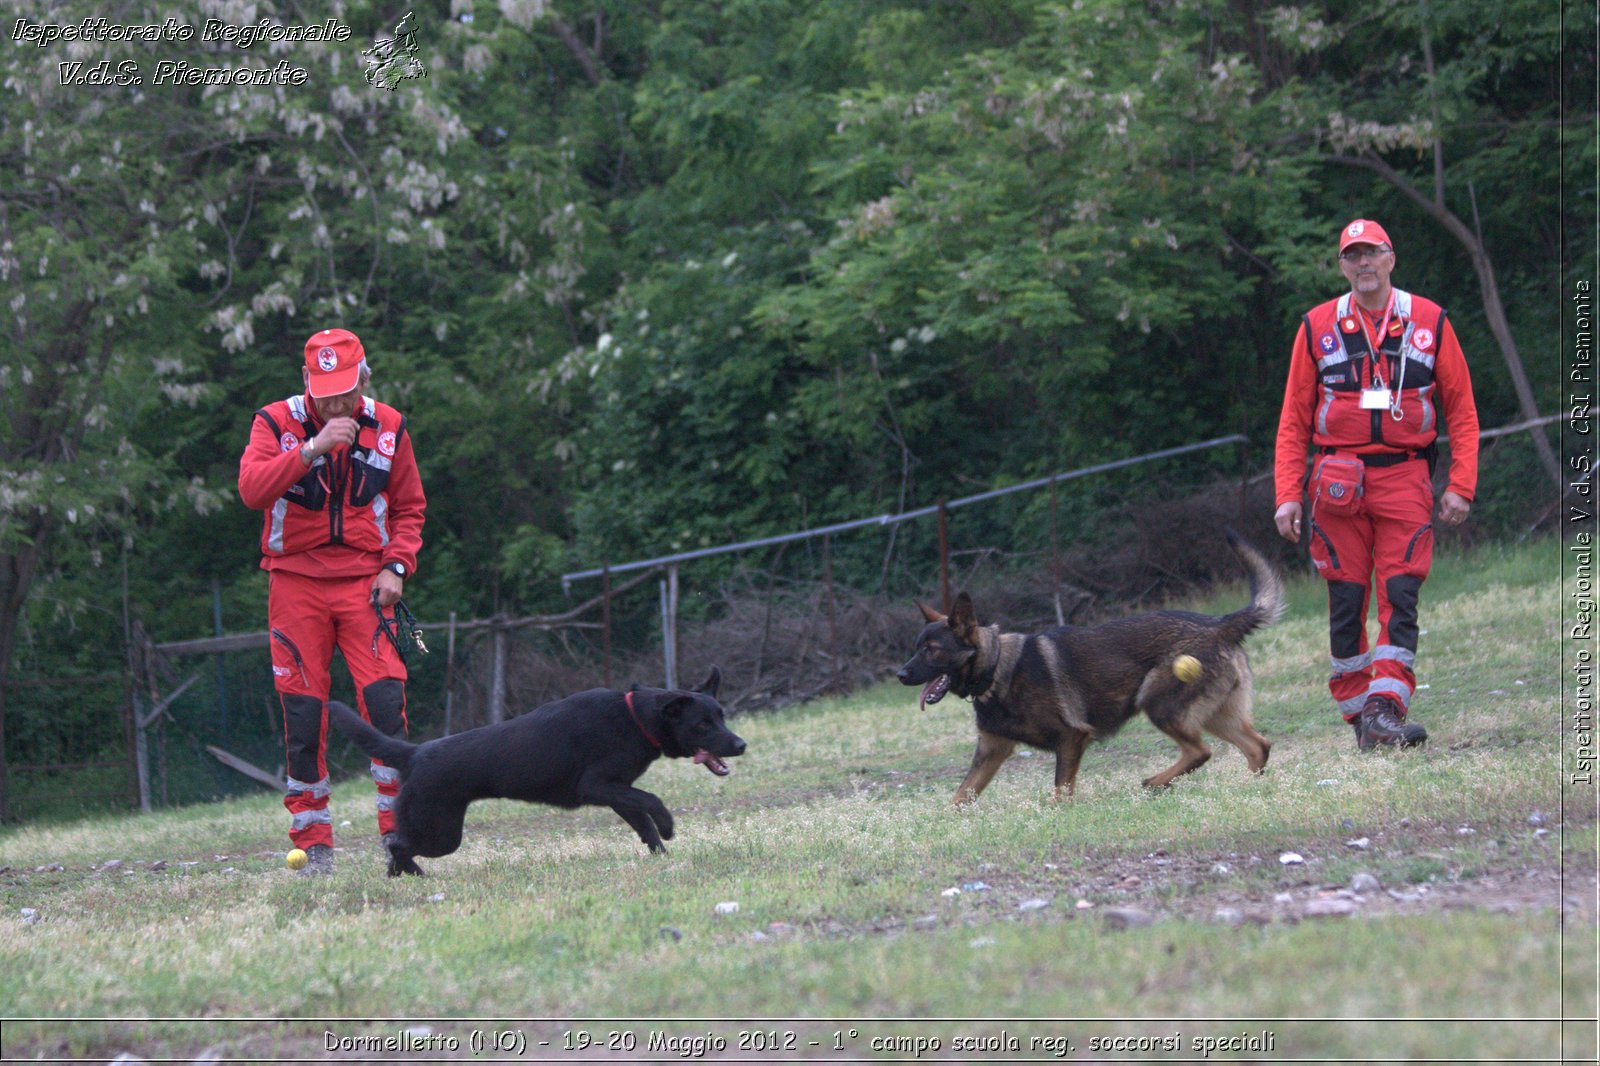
x=319, y=860
x=1382, y=724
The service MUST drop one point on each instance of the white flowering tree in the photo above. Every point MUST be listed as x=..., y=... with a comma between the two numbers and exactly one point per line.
x=169, y=235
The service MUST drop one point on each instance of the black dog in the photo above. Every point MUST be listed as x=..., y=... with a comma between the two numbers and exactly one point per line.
x=1068, y=685
x=585, y=750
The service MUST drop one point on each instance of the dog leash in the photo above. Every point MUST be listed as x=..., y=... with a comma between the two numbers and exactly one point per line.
x=627, y=698
x=404, y=623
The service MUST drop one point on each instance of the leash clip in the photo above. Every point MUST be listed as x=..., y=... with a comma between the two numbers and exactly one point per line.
x=404, y=622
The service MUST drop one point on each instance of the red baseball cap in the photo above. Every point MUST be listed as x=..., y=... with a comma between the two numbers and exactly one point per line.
x=333, y=362
x=1363, y=231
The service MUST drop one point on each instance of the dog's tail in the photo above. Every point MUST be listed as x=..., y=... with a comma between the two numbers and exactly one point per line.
x=392, y=750
x=1266, y=593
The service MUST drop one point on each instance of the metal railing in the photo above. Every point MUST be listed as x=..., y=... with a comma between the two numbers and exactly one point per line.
x=669, y=584
x=903, y=516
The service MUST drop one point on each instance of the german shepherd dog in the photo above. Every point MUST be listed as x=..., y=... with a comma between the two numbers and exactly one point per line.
x=585, y=750
x=1061, y=688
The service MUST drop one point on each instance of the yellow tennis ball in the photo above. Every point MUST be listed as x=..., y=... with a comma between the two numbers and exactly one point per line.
x=1186, y=668
x=296, y=859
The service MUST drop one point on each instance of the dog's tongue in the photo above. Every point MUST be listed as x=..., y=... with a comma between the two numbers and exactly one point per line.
x=712, y=763
x=934, y=691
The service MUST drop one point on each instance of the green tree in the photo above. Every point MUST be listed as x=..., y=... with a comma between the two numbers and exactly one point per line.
x=1456, y=111
x=166, y=248
x=882, y=248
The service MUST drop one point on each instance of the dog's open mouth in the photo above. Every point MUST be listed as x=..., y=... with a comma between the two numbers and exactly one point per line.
x=934, y=690
x=712, y=763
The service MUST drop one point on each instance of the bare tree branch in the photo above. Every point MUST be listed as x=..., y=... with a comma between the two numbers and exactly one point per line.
x=580, y=51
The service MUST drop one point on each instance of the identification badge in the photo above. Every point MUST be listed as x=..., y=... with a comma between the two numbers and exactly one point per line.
x=1374, y=399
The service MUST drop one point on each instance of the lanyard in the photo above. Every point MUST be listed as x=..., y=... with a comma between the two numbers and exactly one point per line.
x=1374, y=344
x=1375, y=356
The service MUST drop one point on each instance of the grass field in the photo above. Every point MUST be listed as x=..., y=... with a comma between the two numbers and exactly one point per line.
x=1124, y=926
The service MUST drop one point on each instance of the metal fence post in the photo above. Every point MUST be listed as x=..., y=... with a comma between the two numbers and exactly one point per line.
x=605, y=624
x=1055, y=560
x=141, y=756
x=497, y=687
x=449, y=673
x=944, y=559
x=669, y=625
x=131, y=712
x=141, y=721
x=833, y=607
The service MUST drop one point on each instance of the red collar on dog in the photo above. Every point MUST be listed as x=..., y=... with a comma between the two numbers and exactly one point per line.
x=628, y=698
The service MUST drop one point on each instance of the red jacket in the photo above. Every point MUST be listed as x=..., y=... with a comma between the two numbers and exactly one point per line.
x=1329, y=368
x=353, y=510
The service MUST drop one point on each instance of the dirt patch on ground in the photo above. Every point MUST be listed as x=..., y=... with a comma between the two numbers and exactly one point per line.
x=1410, y=869
x=1541, y=862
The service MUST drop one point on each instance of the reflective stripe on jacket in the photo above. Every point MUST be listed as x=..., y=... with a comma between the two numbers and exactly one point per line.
x=1339, y=346
x=343, y=499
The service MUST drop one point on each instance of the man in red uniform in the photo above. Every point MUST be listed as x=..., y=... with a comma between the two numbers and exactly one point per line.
x=334, y=473
x=1373, y=421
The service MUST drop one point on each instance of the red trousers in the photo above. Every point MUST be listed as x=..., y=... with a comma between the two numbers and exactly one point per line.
x=1381, y=535
x=308, y=617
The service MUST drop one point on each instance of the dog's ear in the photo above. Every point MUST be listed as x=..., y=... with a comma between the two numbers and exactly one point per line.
x=929, y=615
x=674, y=706
x=963, y=619
x=712, y=682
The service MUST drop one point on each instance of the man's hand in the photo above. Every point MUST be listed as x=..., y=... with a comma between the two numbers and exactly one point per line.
x=1288, y=519
x=337, y=432
x=386, y=588
x=1453, y=509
